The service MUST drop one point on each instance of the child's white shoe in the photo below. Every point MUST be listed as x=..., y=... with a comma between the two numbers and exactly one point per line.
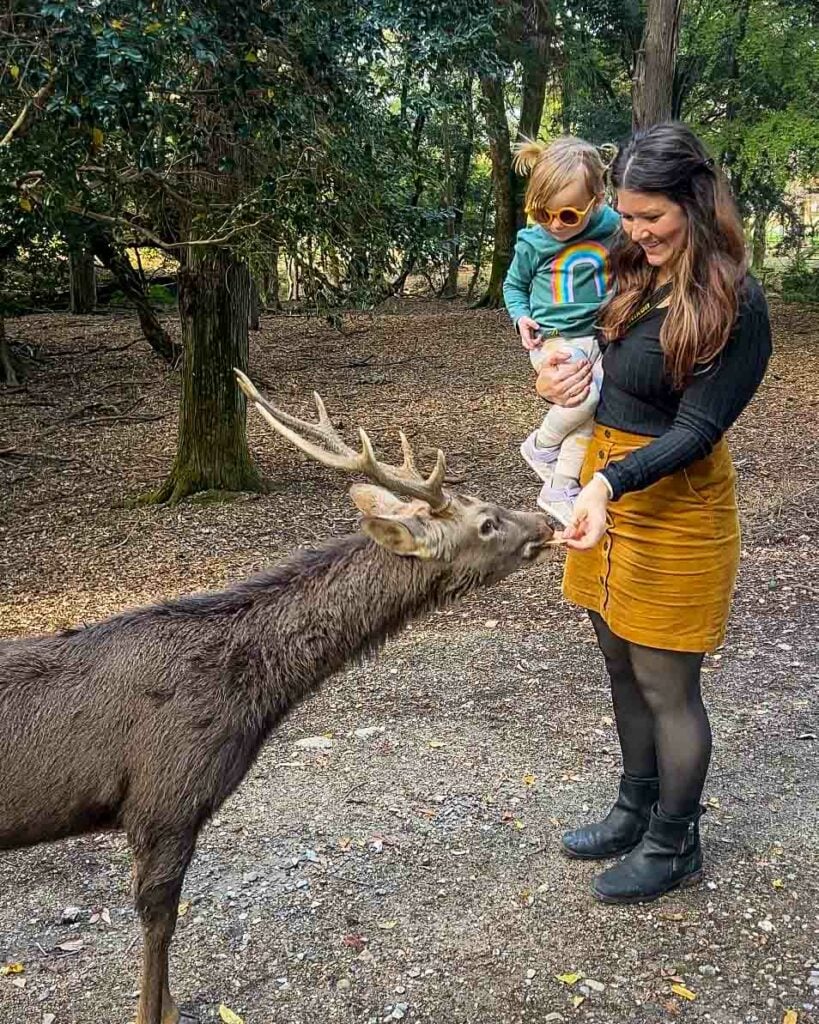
x=542, y=460
x=558, y=502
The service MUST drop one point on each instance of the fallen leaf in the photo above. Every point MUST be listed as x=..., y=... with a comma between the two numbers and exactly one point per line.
x=387, y=926
x=183, y=908
x=344, y=842
x=570, y=979
x=228, y=1016
x=117, y=24
x=154, y=26
x=250, y=57
x=491, y=623
x=777, y=883
x=71, y=946
x=354, y=941
x=435, y=744
x=25, y=204
x=683, y=992
x=791, y=1017
x=529, y=779
x=19, y=982
x=713, y=802
x=97, y=137
x=15, y=968
x=519, y=825
x=578, y=1001
x=14, y=71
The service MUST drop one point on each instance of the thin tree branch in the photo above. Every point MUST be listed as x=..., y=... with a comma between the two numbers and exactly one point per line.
x=26, y=115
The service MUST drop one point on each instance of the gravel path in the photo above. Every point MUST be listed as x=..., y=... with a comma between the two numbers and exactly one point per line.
x=411, y=871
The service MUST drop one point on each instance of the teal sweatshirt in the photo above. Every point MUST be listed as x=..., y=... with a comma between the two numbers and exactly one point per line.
x=562, y=284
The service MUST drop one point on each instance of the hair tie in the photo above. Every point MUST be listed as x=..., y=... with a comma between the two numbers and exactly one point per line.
x=708, y=164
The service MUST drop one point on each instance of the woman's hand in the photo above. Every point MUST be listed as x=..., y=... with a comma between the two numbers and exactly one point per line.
x=589, y=522
x=563, y=382
x=527, y=329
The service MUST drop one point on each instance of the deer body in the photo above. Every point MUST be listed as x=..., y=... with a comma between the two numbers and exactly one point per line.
x=170, y=703
x=147, y=721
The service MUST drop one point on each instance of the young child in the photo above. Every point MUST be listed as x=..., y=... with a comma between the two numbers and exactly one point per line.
x=558, y=280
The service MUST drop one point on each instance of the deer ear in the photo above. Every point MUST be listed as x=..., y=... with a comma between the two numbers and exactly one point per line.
x=378, y=501
x=400, y=536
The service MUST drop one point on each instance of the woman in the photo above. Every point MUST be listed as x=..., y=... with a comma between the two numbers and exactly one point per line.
x=654, y=541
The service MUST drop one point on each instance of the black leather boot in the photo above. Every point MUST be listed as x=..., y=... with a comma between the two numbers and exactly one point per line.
x=669, y=855
x=623, y=826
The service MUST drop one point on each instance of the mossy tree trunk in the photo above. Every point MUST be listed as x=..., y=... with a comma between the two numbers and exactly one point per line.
x=8, y=374
x=759, y=245
x=214, y=307
x=130, y=283
x=500, y=152
x=254, y=306
x=82, y=280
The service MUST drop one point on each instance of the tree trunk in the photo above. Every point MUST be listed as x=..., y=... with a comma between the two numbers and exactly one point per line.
x=476, y=272
x=652, y=90
x=114, y=259
x=459, y=186
x=271, y=284
x=253, y=312
x=502, y=180
x=8, y=374
x=411, y=255
x=212, y=452
x=82, y=280
x=760, y=240
x=537, y=29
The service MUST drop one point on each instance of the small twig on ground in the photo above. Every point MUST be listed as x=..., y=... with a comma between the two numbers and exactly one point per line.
x=15, y=453
x=92, y=351
x=346, y=798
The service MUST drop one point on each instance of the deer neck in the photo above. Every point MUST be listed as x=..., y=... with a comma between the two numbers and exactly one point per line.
x=338, y=604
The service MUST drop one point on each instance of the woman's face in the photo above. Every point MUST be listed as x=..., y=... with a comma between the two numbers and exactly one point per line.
x=654, y=222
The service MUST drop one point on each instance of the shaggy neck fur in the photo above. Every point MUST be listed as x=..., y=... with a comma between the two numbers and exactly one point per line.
x=297, y=624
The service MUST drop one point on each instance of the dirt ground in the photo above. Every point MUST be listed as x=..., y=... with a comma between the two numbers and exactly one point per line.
x=412, y=872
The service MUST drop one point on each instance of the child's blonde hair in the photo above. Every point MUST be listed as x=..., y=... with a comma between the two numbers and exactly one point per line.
x=554, y=165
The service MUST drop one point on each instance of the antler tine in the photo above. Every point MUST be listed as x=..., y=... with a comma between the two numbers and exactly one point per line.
x=430, y=490
x=323, y=431
x=409, y=466
x=343, y=457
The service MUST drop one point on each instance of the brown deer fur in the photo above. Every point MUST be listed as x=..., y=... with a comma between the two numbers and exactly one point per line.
x=147, y=721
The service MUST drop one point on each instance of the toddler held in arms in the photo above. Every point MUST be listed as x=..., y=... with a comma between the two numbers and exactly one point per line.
x=558, y=279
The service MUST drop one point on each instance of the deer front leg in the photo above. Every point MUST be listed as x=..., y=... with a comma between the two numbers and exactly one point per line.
x=159, y=873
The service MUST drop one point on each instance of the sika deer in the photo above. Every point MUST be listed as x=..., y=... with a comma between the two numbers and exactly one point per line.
x=147, y=721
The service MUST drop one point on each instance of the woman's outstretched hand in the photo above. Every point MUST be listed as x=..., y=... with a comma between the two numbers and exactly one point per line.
x=589, y=522
x=562, y=381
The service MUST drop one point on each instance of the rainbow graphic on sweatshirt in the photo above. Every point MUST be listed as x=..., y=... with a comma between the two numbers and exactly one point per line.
x=582, y=254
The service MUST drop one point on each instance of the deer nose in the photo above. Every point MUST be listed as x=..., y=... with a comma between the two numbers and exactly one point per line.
x=546, y=528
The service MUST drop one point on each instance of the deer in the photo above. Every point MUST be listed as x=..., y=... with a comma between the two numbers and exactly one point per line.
x=147, y=721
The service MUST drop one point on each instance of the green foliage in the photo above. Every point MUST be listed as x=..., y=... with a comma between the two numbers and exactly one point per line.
x=330, y=131
x=800, y=282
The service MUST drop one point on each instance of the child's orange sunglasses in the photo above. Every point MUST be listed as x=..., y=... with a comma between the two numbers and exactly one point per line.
x=566, y=216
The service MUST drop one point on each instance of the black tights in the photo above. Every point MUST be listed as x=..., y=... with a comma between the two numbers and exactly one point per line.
x=661, y=720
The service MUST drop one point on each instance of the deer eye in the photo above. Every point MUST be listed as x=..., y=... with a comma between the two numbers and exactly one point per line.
x=487, y=528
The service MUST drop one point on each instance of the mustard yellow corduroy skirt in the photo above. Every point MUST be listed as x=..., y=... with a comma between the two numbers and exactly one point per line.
x=663, y=575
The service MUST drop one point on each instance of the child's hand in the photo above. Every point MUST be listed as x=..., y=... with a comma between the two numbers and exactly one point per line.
x=528, y=328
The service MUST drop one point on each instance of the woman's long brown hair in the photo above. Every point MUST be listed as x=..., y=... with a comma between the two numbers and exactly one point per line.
x=709, y=271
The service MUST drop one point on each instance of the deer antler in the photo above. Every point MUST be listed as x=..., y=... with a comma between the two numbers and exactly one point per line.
x=332, y=450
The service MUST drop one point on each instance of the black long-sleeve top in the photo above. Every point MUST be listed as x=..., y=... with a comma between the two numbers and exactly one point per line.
x=638, y=397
